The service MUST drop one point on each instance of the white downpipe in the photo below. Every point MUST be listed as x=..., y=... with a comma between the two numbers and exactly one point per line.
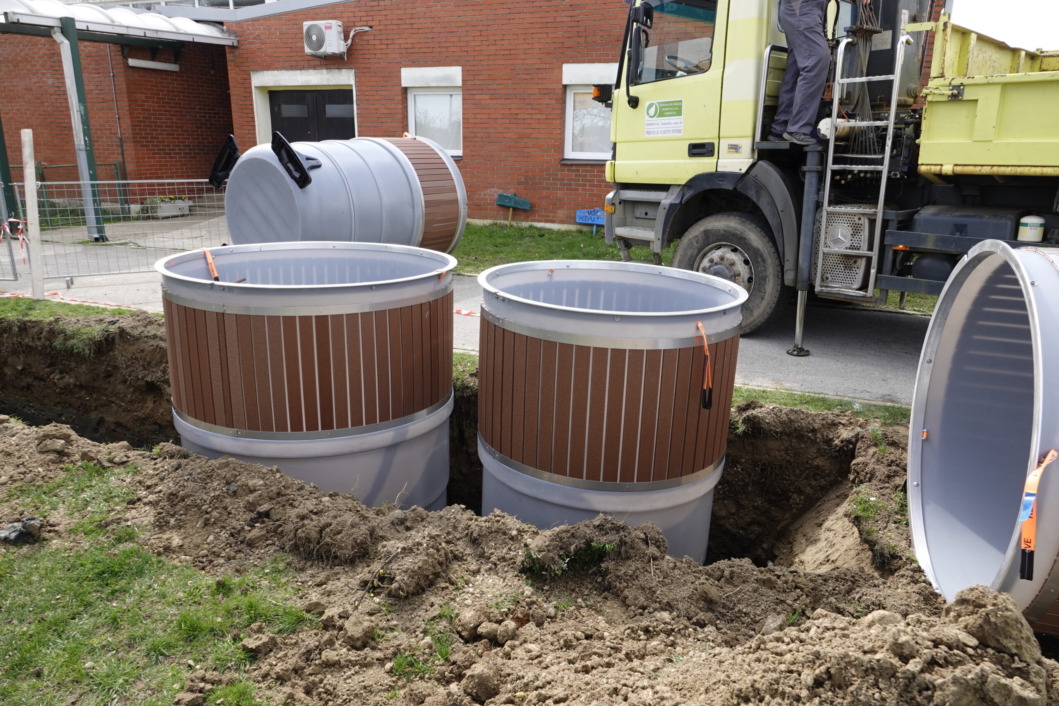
x=985, y=411
x=36, y=251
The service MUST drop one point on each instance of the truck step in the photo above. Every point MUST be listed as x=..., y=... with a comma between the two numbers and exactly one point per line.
x=865, y=79
x=858, y=167
x=853, y=295
x=633, y=233
x=640, y=195
x=855, y=210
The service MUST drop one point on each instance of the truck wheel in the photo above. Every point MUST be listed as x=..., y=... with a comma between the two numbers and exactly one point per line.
x=738, y=248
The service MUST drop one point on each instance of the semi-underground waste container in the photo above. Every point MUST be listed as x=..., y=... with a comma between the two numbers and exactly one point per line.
x=597, y=395
x=403, y=191
x=985, y=413
x=332, y=361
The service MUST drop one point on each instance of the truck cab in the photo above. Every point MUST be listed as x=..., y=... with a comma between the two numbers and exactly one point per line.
x=850, y=218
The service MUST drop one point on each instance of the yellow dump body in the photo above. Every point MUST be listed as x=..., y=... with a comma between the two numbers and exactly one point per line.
x=989, y=108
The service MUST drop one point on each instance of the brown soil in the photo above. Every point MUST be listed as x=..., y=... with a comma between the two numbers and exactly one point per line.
x=822, y=605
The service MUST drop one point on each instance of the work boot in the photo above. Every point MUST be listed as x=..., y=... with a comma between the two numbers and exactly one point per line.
x=775, y=137
x=800, y=138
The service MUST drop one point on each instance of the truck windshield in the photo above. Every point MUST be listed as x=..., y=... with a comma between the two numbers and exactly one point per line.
x=680, y=42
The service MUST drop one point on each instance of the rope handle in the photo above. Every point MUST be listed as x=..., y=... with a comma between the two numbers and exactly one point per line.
x=1028, y=516
x=707, y=376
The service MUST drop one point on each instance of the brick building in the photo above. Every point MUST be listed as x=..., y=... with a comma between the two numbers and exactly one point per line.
x=503, y=86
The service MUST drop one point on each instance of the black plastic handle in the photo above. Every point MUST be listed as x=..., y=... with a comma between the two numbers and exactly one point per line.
x=292, y=161
x=223, y=163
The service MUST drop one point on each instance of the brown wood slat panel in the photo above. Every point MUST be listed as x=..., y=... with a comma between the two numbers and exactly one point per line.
x=596, y=413
x=531, y=412
x=202, y=366
x=667, y=387
x=384, y=370
x=724, y=381
x=692, y=426
x=280, y=408
x=190, y=354
x=340, y=373
x=307, y=373
x=233, y=352
x=507, y=383
x=630, y=440
x=546, y=415
x=400, y=361
x=356, y=366
x=580, y=424
x=447, y=345
x=684, y=388
x=517, y=410
x=617, y=407
x=247, y=372
x=325, y=377
x=1049, y=622
x=486, y=362
x=176, y=365
x=218, y=412
x=649, y=428
x=289, y=326
x=564, y=393
x=263, y=368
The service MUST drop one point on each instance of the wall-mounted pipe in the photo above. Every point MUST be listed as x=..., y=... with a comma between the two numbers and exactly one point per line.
x=985, y=411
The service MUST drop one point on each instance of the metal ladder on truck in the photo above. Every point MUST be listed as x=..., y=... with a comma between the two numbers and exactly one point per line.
x=847, y=256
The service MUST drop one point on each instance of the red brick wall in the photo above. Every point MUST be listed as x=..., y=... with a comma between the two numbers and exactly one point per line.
x=511, y=54
x=172, y=124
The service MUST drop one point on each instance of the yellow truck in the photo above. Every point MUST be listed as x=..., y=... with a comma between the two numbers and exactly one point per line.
x=909, y=175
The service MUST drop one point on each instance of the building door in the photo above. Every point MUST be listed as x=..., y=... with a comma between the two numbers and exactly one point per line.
x=313, y=115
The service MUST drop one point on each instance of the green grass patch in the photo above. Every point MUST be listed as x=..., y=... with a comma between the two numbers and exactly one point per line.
x=919, y=303
x=889, y=415
x=110, y=622
x=44, y=309
x=484, y=246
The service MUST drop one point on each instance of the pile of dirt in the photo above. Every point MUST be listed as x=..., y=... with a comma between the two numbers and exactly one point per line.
x=589, y=614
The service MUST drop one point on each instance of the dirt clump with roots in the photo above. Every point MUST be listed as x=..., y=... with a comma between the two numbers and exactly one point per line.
x=810, y=594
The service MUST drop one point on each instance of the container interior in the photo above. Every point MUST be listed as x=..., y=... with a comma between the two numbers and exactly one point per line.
x=615, y=289
x=307, y=267
x=979, y=419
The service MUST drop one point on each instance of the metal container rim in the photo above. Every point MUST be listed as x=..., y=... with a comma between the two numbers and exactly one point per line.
x=739, y=294
x=446, y=263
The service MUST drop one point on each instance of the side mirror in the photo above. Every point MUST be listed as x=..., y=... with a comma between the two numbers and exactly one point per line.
x=643, y=15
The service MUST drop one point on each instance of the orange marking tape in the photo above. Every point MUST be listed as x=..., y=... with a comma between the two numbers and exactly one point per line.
x=1028, y=516
x=707, y=377
x=212, y=265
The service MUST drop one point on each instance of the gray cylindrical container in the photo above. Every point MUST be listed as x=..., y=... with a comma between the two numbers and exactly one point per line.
x=403, y=191
x=597, y=394
x=985, y=412
x=332, y=361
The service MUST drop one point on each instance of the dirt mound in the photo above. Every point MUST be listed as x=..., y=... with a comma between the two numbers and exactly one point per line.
x=589, y=614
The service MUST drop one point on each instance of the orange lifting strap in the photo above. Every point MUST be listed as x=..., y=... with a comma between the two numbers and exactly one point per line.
x=1028, y=516
x=707, y=377
x=212, y=265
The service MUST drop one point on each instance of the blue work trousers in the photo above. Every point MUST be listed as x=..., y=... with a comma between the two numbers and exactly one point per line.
x=808, y=60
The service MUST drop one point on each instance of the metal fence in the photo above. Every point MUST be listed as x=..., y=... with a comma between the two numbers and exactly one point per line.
x=114, y=227
x=8, y=269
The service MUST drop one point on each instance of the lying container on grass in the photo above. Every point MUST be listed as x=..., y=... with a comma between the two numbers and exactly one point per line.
x=330, y=360
x=598, y=394
x=985, y=414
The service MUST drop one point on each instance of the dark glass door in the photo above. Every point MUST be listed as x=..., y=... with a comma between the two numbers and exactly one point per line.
x=312, y=116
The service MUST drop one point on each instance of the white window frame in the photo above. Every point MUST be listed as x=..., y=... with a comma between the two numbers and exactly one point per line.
x=436, y=80
x=579, y=78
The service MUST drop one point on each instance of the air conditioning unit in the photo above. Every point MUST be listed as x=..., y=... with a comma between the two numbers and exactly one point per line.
x=323, y=38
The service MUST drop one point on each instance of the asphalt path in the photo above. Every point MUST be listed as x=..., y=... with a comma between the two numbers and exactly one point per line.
x=856, y=352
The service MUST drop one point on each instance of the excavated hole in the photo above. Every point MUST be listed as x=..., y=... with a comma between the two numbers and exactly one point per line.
x=781, y=463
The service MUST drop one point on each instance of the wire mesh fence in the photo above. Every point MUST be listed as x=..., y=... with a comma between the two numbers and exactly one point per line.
x=113, y=227
x=8, y=239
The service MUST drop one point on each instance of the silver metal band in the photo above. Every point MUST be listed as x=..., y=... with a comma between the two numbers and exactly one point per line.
x=578, y=339
x=311, y=435
x=348, y=307
x=595, y=484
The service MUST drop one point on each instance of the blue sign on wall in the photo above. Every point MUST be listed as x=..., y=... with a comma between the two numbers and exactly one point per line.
x=512, y=201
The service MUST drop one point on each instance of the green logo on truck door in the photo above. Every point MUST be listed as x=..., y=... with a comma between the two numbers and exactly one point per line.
x=664, y=118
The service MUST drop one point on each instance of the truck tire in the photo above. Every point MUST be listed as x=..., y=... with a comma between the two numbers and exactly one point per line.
x=736, y=247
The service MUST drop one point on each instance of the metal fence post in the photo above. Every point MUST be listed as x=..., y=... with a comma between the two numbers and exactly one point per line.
x=36, y=251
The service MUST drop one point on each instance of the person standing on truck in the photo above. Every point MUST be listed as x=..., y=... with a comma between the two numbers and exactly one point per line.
x=808, y=60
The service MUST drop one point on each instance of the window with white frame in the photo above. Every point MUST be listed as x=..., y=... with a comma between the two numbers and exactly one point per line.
x=587, y=126
x=435, y=105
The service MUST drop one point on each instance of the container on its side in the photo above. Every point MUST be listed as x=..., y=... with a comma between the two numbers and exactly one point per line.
x=402, y=191
x=591, y=394
x=984, y=413
x=330, y=360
